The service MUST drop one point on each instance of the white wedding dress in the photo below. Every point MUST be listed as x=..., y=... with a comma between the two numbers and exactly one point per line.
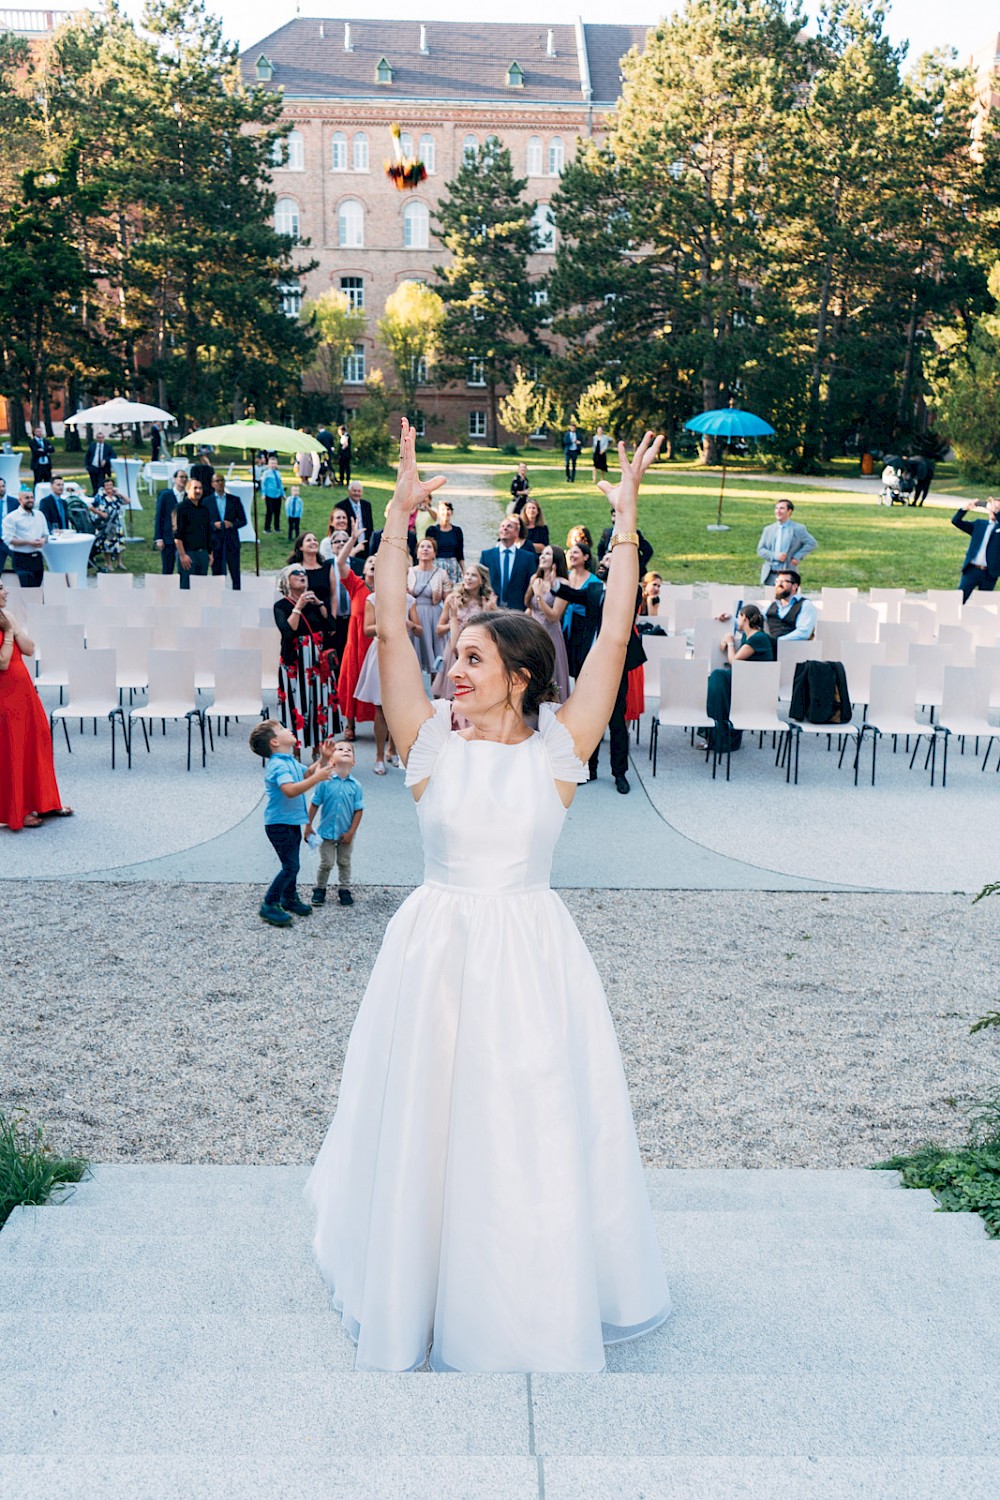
x=479, y=1196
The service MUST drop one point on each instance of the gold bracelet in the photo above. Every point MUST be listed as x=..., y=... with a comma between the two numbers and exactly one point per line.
x=395, y=541
x=627, y=538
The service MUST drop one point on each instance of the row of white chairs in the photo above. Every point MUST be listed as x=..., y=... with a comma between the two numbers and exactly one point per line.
x=892, y=706
x=681, y=609
x=134, y=645
x=93, y=692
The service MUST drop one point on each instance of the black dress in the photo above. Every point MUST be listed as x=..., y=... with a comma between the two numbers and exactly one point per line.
x=536, y=535
x=307, y=674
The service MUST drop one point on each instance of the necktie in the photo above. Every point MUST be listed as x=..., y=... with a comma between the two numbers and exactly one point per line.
x=504, y=573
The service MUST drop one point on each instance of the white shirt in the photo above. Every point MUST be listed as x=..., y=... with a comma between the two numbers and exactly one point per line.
x=979, y=561
x=22, y=525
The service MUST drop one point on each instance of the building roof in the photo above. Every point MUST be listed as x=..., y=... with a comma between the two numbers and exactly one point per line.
x=462, y=61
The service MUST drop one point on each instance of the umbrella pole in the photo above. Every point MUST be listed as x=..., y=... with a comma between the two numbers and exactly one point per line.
x=256, y=526
x=722, y=486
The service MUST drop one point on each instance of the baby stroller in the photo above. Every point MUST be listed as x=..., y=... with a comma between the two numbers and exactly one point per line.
x=897, y=485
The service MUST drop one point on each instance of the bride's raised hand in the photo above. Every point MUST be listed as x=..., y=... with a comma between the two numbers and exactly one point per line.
x=624, y=495
x=411, y=491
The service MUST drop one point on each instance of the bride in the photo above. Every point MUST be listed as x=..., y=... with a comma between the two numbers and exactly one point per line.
x=479, y=1196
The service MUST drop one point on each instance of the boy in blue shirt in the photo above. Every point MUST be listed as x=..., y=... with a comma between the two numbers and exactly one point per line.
x=273, y=491
x=286, y=783
x=293, y=512
x=339, y=803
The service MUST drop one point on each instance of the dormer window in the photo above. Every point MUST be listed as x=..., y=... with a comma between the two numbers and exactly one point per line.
x=515, y=76
x=264, y=69
x=383, y=72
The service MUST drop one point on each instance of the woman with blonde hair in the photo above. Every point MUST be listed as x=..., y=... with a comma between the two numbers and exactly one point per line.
x=474, y=593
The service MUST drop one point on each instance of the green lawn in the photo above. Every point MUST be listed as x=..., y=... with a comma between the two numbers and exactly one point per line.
x=861, y=544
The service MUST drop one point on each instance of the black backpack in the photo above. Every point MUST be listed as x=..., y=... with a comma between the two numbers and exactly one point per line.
x=819, y=693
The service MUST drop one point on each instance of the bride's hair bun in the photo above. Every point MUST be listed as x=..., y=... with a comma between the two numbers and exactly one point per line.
x=526, y=652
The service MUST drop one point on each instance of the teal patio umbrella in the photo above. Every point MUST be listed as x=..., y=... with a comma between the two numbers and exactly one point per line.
x=728, y=422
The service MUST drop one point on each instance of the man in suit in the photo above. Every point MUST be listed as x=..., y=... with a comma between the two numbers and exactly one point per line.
x=98, y=461
x=167, y=502
x=203, y=470
x=359, y=508
x=226, y=531
x=55, y=507
x=783, y=544
x=511, y=567
x=981, y=568
x=572, y=448
x=41, y=456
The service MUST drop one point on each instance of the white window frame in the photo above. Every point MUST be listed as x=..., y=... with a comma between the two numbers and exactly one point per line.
x=540, y=296
x=418, y=369
x=406, y=143
x=416, y=226
x=338, y=151
x=477, y=423
x=470, y=148
x=419, y=424
x=359, y=152
x=533, y=156
x=288, y=218
x=557, y=156
x=349, y=223
x=355, y=294
x=354, y=366
x=477, y=373
x=291, y=298
x=428, y=153
x=544, y=223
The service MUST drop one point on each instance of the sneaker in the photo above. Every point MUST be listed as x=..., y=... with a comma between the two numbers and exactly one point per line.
x=319, y=896
x=344, y=897
x=275, y=915
x=299, y=908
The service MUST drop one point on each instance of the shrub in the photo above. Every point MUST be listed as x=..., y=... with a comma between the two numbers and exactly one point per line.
x=28, y=1168
x=511, y=449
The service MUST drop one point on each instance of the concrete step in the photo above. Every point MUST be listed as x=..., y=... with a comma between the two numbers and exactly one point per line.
x=772, y=1478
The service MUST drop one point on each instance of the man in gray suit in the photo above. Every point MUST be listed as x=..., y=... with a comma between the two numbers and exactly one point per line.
x=783, y=544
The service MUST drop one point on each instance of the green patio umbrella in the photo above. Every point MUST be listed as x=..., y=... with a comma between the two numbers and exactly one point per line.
x=252, y=436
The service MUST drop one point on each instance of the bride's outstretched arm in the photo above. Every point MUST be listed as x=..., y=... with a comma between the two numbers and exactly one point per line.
x=404, y=702
x=587, y=710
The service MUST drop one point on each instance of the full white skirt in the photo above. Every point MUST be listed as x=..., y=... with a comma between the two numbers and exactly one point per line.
x=480, y=1196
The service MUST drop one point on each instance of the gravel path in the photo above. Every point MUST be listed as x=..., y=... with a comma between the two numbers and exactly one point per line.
x=169, y=1024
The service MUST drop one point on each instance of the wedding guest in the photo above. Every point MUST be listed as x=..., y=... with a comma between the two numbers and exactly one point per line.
x=544, y=606
x=356, y=648
x=109, y=509
x=293, y=512
x=519, y=488
x=600, y=453
x=193, y=534
x=339, y=804
x=273, y=490
x=204, y=470
x=29, y=791
x=306, y=690
x=536, y=533
x=582, y=619
x=579, y=536
x=25, y=532
x=473, y=595
x=427, y=584
x=369, y=688
x=226, y=532
x=449, y=540
x=340, y=522
x=41, y=451
x=651, y=585
x=323, y=581
x=164, y=526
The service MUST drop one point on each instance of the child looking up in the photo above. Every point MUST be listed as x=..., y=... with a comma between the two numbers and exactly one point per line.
x=339, y=803
x=286, y=783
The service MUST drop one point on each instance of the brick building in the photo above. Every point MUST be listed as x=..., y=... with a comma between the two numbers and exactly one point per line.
x=449, y=86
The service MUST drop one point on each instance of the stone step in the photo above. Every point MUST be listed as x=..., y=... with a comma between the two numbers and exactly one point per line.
x=773, y=1478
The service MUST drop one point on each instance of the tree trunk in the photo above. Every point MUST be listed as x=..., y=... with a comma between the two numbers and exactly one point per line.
x=908, y=362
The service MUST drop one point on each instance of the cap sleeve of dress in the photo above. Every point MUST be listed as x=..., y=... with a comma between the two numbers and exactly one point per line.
x=564, y=763
x=431, y=739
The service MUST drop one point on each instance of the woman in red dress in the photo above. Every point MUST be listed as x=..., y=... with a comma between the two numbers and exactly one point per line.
x=28, y=790
x=356, y=649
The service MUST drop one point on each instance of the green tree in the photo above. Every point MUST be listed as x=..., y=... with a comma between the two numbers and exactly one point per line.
x=337, y=327
x=491, y=319
x=410, y=330
x=597, y=406
x=372, y=442
x=966, y=383
x=526, y=408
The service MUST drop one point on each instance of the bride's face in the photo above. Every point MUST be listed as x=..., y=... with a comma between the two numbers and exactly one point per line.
x=481, y=685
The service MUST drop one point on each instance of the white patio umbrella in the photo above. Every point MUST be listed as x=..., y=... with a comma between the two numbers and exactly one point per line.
x=122, y=413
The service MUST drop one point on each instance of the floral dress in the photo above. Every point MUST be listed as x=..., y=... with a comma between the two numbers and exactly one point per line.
x=307, y=675
x=109, y=538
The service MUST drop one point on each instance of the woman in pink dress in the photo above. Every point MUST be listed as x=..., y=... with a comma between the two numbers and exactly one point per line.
x=474, y=593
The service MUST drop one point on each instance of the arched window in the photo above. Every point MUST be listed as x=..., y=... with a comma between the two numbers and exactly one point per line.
x=427, y=152
x=360, y=145
x=534, y=163
x=351, y=235
x=416, y=225
x=406, y=143
x=338, y=152
x=286, y=217
x=470, y=148
x=557, y=156
x=544, y=224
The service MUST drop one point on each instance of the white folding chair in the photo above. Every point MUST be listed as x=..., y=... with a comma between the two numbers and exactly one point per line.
x=159, y=588
x=923, y=617
x=201, y=642
x=987, y=658
x=238, y=691
x=706, y=636
x=837, y=603
x=892, y=710
x=887, y=602
x=754, y=708
x=858, y=661
x=91, y=694
x=206, y=585
x=225, y=620
x=682, y=699
x=53, y=669
x=959, y=643
x=660, y=648
x=171, y=695
x=53, y=589
x=930, y=662
x=670, y=595
x=946, y=604
x=132, y=647
x=965, y=711
x=113, y=584
x=51, y=624
x=790, y=653
x=866, y=620
x=831, y=638
x=982, y=623
x=897, y=640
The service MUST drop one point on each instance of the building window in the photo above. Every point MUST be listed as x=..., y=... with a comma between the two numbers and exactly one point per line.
x=544, y=225
x=557, y=156
x=419, y=424
x=352, y=225
x=427, y=152
x=477, y=424
x=264, y=69
x=515, y=76
x=338, y=152
x=418, y=368
x=360, y=152
x=289, y=152
x=534, y=162
x=286, y=217
x=539, y=296
x=470, y=148
x=416, y=225
x=354, y=366
x=383, y=72
x=477, y=373
x=291, y=298
x=353, y=288
x=406, y=143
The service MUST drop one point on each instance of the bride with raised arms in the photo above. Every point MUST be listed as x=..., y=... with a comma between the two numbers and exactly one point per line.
x=479, y=1197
